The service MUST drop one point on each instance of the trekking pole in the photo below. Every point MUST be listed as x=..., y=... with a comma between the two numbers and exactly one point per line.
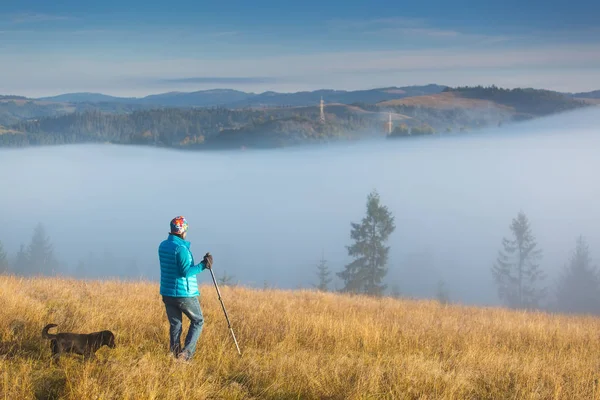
x=223, y=306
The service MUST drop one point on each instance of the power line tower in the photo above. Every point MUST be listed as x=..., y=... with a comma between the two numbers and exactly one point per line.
x=322, y=118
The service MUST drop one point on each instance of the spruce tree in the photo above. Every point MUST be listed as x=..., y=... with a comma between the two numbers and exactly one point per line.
x=3, y=260
x=21, y=265
x=225, y=279
x=395, y=291
x=365, y=273
x=442, y=293
x=579, y=288
x=40, y=253
x=323, y=275
x=80, y=270
x=516, y=271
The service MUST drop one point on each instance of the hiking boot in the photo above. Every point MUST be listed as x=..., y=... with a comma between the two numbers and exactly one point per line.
x=183, y=356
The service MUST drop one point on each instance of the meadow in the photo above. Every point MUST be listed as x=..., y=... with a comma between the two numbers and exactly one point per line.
x=296, y=344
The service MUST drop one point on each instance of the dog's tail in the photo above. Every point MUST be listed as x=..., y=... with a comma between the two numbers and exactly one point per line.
x=45, y=333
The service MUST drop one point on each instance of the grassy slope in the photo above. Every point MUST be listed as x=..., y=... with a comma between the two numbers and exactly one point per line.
x=296, y=344
x=445, y=100
x=4, y=130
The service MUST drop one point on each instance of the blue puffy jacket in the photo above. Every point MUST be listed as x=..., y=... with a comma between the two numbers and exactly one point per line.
x=177, y=268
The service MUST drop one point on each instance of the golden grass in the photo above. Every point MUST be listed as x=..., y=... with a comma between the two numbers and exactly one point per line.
x=295, y=344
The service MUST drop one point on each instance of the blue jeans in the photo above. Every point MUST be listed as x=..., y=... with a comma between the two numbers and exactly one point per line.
x=190, y=306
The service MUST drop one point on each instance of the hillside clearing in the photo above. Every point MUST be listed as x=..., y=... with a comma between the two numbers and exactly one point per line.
x=295, y=344
x=446, y=100
x=4, y=130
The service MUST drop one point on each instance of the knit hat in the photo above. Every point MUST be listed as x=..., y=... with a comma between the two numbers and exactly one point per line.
x=179, y=225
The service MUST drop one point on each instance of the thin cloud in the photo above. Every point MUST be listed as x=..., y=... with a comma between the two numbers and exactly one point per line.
x=92, y=32
x=37, y=17
x=428, y=32
x=13, y=32
x=261, y=69
x=224, y=34
x=413, y=27
x=220, y=80
x=371, y=24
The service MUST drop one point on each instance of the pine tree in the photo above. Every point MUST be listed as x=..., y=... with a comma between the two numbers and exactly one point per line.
x=21, y=265
x=365, y=273
x=323, y=275
x=40, y=253
x=579, y=288
x=516, y=271
x=3, y=260
x=442, y=293
x=225, y=279
x=395, y=291
x=80, y=270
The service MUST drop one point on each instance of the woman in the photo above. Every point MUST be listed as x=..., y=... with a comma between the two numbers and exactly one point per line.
x=179, y=287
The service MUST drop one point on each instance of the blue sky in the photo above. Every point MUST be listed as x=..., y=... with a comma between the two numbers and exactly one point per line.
x=134, y=48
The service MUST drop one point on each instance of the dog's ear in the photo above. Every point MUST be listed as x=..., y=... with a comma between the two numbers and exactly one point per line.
x=108, y=338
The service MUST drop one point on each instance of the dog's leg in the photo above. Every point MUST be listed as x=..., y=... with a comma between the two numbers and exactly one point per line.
x=89, y=355
x=56, y=350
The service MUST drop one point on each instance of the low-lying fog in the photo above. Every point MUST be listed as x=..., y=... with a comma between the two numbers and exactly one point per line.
x=269, y=215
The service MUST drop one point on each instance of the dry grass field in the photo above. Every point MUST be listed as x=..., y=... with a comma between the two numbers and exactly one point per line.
x=446, y=100
x=295, y=345
x=4, y=130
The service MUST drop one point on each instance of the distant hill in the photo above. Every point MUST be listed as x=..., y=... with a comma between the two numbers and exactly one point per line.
x=444, y=100
x=587, y=95
x=527, y=102
x=86, y=98
x=238, y=99
x=17, y=108
x=516, y=103
x=201, y=127
x=10, y=97
x=590, y=100
x=202, y=98
x=234, y=119
x=273, y=99
x=14, y=109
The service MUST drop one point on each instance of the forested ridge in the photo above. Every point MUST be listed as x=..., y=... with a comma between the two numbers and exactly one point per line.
x=222, y=127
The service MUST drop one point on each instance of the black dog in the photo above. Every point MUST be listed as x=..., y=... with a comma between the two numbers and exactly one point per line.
x=85, y=344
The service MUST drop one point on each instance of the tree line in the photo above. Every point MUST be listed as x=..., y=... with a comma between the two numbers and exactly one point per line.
x=223, y=127
x=524, y=100
x=39, y=259
x=35, y=259
x=517, y=272
x=185, y=128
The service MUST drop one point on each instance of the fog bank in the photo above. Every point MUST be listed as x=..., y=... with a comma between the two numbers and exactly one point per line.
x=269, y=215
